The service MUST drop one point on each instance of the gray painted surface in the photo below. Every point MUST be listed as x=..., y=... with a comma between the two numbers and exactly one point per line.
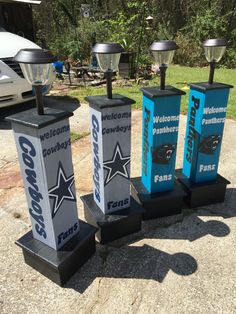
x=47, y=171
x=111, y=136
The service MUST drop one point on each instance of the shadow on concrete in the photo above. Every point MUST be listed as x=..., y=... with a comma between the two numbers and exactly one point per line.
x=187, y=226
x=194, y=228
x=57, y=102
x=227, y=209
x=132, y=262
x=120, y=260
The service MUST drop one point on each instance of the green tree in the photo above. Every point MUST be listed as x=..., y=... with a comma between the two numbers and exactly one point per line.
x=61, y=27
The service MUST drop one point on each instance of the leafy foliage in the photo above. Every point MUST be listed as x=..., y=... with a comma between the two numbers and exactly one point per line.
x=61, y=27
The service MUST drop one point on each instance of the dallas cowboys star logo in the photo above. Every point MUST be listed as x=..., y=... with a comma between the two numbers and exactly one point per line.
x=62, y=190
x=116, y=166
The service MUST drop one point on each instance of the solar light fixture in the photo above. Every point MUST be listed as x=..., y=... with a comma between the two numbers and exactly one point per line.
x=108, y=56
x=36, y=65
x=214, y=51
x=163, y=53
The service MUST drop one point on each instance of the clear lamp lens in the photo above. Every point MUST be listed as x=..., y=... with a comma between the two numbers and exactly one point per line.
x=214, y=53
x=38, y=74
x=163, y=57
x=108, y=62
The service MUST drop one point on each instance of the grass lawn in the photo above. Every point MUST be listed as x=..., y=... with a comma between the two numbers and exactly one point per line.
x=177, y=76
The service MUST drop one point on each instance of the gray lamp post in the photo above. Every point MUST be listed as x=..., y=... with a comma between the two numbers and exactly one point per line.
x=110, y=207
x=59, y=242
x=163, y=53
x=214, y=51
x=108, y=56
x=36, y=65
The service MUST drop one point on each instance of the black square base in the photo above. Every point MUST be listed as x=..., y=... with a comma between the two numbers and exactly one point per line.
x=115, y=225
x=158, y=205
x=201, y=194
x=60, y=265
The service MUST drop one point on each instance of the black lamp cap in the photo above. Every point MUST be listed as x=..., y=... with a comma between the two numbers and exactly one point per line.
x=107, y=48
x=163, y=45
x=34, y=56
x=220, y=42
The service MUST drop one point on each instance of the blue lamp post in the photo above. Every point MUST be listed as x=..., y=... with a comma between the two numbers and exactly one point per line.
x=157, y=190
x=205, y=124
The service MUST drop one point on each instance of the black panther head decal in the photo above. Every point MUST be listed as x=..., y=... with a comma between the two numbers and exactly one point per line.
x=163, y=154
x=209, y=144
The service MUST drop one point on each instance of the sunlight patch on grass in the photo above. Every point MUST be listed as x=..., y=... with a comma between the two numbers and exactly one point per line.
x=177, y=76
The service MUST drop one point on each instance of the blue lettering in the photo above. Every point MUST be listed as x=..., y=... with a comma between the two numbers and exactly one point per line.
x=191, y=137
x=64, y=235
x=24, y=142
x=96, y=162
x=145, y=141
x=41, y=231
x=119, y=204
x=28, y=151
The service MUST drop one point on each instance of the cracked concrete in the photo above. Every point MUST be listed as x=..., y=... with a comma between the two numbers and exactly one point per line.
x=180, y=264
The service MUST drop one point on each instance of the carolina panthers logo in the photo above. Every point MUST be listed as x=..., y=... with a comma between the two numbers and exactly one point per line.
x=163, y=154
x=209, y=144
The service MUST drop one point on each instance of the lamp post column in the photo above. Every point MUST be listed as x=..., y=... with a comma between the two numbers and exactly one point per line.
x=43, y=145
x=110, y=207
x=157, y=190
x=205, y=124
x=204, y=133
x=58, y=243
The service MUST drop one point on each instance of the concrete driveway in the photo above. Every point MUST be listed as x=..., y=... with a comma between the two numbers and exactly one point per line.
x=179, y=264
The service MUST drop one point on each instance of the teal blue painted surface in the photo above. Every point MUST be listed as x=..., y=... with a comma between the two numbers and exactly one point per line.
x=204, y=132
x=160, y=133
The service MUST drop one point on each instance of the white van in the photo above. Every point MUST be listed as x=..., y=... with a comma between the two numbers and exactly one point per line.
x=14, y=88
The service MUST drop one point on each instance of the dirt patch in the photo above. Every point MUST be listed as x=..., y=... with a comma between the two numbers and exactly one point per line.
x=10, y=177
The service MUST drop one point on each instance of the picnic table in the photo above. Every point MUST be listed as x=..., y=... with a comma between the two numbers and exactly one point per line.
x=89, y=71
